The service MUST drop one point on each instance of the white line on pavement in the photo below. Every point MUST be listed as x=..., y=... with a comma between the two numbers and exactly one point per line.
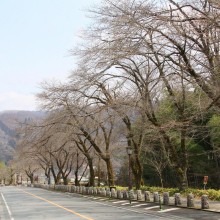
x=130, y=210
x=152, y=207
x=127, y=203
x=9, y=212
x=168, y=210
x=119, y=201
x=139, y=205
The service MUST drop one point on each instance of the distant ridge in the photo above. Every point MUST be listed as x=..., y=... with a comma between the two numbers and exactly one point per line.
x=9, y=121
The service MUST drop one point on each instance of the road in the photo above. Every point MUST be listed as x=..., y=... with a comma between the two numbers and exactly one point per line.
x=21, y=203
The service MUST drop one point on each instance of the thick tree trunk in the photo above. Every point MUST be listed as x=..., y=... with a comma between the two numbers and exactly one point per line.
x=76, y=178
x=182, y=178
x=31, y=178
x=110, y=173
x=65, y=180
x=92, y=173
x=137, y=171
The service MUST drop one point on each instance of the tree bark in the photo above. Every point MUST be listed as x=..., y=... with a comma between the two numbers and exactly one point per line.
x=92, y=173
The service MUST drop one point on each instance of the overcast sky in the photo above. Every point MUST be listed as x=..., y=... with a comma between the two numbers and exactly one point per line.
x=36, y=36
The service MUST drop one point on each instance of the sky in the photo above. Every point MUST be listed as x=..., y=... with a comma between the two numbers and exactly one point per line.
x=35, y=39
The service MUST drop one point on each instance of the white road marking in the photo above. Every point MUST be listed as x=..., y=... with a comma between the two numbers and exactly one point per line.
x=139, y=205
x=168, y=210
x=127, y=203
x=103, y=199
x=152, y=207
x=9, y=212
x=119, y=201
x=130, y=210
x=97, y=198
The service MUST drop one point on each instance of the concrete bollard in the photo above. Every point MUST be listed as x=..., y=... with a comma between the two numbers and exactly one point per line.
x=119, y=194
x=190, y=200
x=204, y=202
x=77, y=189
x=69, y=188
x=125, y=194
x=83, y=190
x=114, y=194
x=156, y=196
x=74, y=189
x=131, y=195
x=98, y=191
x=139, y=195
x=95, y=191
x=87, y=190
x=103, y=192
x=91, y=190
x=166, y=198
x=147, y=196
x=108, y=192
x=177, y=199
x=80, y=189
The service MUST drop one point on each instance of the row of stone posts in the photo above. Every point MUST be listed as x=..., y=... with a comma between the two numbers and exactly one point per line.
x=124, y=194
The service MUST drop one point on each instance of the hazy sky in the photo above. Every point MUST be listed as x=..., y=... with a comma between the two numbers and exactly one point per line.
x=35, y=39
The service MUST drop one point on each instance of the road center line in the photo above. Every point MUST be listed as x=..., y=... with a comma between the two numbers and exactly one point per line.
x=57, y=205
x=9, y=212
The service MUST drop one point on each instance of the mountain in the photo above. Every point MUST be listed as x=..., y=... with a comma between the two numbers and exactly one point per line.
x=9, y=122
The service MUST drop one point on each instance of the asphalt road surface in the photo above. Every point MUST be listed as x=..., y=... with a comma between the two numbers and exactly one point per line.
x=24, y=203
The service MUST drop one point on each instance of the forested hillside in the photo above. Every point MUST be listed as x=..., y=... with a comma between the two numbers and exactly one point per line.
x=9, y=122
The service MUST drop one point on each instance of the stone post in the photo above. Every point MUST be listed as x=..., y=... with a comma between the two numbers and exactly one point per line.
x=147, y=196
x=74, y=189
x=125, y=194
x=119, y=194
x=177, y=199
x=190, y=200
x=103, y=192
x=77, y=189
x=108, y=192
x=139, y=195
x=166, y=198
x=114, y=194
x=204, y=202
x=98, y=191
x=131, y=194
x=83, y=190
x=95, y=191
x=156, y=196
x=80, y=189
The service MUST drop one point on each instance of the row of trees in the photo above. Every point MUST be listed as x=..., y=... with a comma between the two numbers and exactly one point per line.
x=148, y=77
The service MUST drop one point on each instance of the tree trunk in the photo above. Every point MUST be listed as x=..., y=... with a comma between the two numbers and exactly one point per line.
x=110, y=173
x=161, y=179
x=76, y=178
x=31, y=178
x=182, y=178
x=92, y=173
x=137, y=172
x=99, y=172
x=65, y=180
